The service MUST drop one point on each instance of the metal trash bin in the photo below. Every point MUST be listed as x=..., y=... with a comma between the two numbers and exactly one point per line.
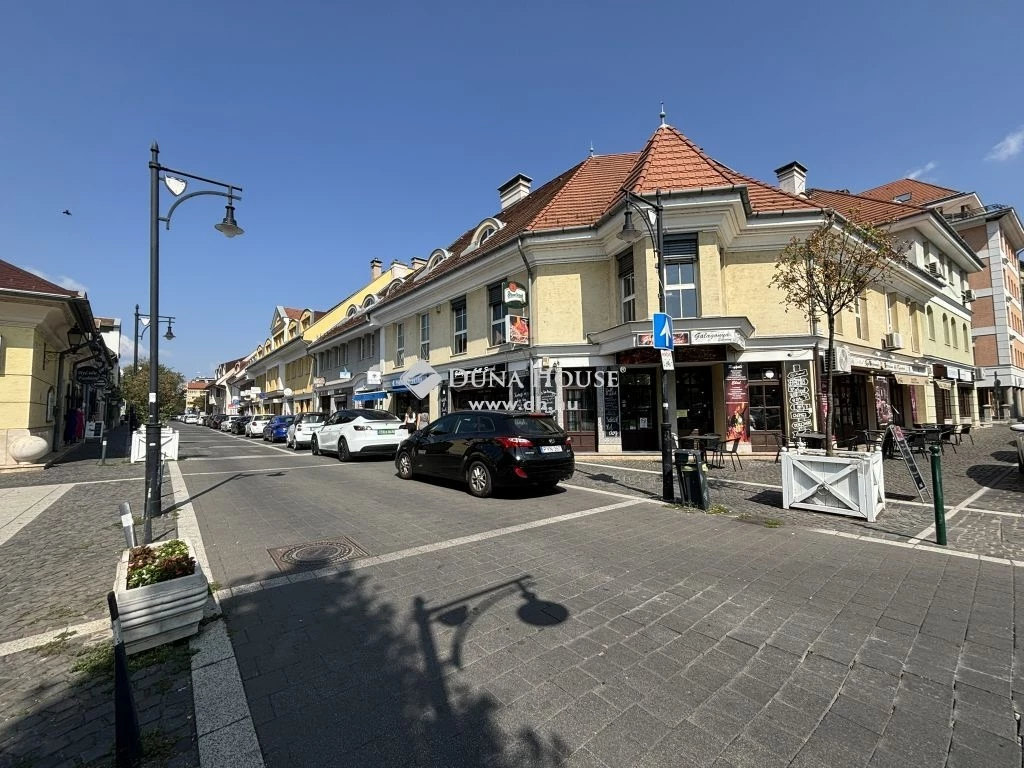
x=693, y=478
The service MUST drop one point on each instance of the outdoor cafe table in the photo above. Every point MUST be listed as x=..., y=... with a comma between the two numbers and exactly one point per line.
x=812, y=439
x=700, y=443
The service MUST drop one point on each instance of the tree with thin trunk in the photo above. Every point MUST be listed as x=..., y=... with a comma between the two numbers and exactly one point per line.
x=829, y=271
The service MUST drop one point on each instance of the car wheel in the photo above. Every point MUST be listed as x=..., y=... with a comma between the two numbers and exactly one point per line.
x=314, y=446
x=478, y=476
x=404, y=464
x=343, y=452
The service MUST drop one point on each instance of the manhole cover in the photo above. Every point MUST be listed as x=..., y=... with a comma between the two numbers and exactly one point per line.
x=316, y=554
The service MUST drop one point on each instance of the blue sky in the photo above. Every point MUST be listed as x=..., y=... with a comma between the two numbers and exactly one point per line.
x=362, y=130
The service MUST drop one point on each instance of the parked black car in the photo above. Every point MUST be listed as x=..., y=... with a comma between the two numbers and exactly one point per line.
x=238, y=425
x=489, y=448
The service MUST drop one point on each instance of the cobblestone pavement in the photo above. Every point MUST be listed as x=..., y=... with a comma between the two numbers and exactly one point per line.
x=639, y=637
x=754, y=493
x=55, y=573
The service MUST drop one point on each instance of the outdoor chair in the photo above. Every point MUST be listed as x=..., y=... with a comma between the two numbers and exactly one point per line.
x=713, y=452
x=781, y=441
x=730, y=447
x=965, y=430
x=946, y=438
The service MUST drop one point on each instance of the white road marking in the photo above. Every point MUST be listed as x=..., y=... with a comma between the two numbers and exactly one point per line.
x=369, y=562
x=918, y=546
x=261, y=470
x=20, y=506
x=959, y=507
x=34, y=641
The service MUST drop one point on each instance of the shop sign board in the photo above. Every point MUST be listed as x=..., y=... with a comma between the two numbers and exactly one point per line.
x=720, y=336
x=88, y=375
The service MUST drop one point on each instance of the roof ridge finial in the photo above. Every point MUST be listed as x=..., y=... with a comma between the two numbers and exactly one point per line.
x=662, y=115
x=591, y=148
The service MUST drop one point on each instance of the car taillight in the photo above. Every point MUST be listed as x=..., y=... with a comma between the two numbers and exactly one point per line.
x=514, y=442
x=359, y=427
x=568, y=440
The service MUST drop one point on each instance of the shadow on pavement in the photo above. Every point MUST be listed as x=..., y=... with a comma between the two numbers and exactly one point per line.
x=336, y=675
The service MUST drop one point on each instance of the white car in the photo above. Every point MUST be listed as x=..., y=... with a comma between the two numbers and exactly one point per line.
x=359, y=430
x=191, y=418
x=255, y=427
x=301, y=431
x=225, y=425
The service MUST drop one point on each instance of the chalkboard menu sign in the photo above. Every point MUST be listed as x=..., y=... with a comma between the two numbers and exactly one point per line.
x=548, y=394
x=520, y=392
x=611, y=411
x=442, y=398
x=908, y=458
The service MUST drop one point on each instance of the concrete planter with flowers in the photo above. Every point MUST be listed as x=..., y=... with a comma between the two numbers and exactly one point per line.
x=168, y=609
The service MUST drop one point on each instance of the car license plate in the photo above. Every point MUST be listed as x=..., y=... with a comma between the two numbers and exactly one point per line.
x=551, y=449
x=385, y=431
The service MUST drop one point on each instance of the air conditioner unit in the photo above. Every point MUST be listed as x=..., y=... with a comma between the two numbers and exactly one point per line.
x=979, y=374
x=969, y=296
x=933, y=267
x=840, y=362
x=893, y=341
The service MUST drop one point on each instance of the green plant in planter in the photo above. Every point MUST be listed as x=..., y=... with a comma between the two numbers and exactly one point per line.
x=151, y=566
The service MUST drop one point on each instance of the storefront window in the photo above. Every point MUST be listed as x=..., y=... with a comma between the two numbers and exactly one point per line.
x=765, y=393
x=580, y=409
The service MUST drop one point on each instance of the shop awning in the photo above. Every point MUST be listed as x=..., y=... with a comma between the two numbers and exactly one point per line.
x=362, y=397
x=909, y=380
x=943, y=384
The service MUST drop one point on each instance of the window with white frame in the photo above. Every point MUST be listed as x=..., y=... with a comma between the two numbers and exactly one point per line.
x=860, y=316
x=627, y=287
x=681, y=276
x=367, y=346
x=496, y=311
x=460, y=326
x=399, y=345
x=425, y=336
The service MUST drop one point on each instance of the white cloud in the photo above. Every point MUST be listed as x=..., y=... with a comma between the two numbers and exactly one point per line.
x=917, y=173
x=63, y=280
x=1008, y=148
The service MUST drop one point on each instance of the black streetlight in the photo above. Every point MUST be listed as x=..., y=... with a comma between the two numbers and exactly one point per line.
x=229, y=228
x=145, y=320
x=631, y=234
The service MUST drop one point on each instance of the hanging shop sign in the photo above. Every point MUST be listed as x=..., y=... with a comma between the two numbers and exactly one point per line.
x=517, y=329
x=513, y=294
x=679, y=338
x=87, y=375
x=719, y=336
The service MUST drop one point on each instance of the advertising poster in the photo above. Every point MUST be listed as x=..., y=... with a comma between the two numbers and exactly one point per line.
x=518, y=331
x=736, y=403
x=800, y=407
x=883, y=410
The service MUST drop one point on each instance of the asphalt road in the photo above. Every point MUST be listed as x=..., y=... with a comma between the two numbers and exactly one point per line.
x=252, y=496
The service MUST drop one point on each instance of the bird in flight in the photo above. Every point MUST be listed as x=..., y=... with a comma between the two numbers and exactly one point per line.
x=66, y=212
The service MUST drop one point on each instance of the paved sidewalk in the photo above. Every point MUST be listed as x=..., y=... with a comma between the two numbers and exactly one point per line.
x=639, y=635
x=60, y=540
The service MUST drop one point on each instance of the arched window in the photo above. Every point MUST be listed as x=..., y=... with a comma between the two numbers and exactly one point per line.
x=967, y=339
x=955, y=336
x=945, y=330
x=486, y=232
x=351, y=310
x=931, y=324
x=369, y=301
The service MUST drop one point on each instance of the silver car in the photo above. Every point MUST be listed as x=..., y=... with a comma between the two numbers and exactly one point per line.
x=303, y=428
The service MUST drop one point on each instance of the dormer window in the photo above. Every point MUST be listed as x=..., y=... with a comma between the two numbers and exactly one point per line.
x=351, y=310
x=369, y=301
x=486, y=232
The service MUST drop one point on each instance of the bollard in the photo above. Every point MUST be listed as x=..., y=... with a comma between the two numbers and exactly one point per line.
x=128, y=523
x=103, y=453
x=940, y=510
x=127, y=742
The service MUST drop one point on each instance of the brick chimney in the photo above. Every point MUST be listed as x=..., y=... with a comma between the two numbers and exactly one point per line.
x=792, y=178
x=514, y=190
x=375, y=265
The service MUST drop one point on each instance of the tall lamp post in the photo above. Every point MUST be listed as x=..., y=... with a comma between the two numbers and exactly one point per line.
x=145, y=320
x=229, y=228
x=630, y=234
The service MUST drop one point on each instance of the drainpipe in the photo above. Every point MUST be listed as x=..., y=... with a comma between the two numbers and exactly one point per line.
x=534, y=391
x=59, y=409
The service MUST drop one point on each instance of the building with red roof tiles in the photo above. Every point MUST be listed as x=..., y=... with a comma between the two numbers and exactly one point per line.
x=995, y=234
x=53, y=359
x=536, y=304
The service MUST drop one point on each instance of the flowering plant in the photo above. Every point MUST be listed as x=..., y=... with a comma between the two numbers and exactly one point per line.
x=168, y=561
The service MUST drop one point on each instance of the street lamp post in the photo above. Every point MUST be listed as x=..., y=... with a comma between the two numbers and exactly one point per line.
x=229, y=228
x=631, y=234
x=145, y=319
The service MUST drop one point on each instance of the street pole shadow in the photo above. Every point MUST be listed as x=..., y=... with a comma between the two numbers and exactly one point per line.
x=336, y=673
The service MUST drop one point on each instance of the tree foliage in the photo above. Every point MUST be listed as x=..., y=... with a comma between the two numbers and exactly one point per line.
x=170, y=392
x=826, y=273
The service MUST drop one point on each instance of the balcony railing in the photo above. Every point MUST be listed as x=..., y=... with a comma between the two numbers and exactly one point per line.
x=973, y=212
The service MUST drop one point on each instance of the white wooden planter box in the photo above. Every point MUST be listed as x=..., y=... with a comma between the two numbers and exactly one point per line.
x=849, y=483
x=159, y=613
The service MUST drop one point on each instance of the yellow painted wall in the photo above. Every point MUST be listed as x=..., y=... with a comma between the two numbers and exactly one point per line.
x=712, y=289
x=597, y=279
x=558, y=296
x=337, y=314
x=746, y=278
x=18, y=367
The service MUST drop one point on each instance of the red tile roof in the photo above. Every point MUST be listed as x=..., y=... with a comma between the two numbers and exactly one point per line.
x=15, y=278
x=671, y=162
x=864, y=209
x=293, y=313
x=921, y=193
x=582, y=195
